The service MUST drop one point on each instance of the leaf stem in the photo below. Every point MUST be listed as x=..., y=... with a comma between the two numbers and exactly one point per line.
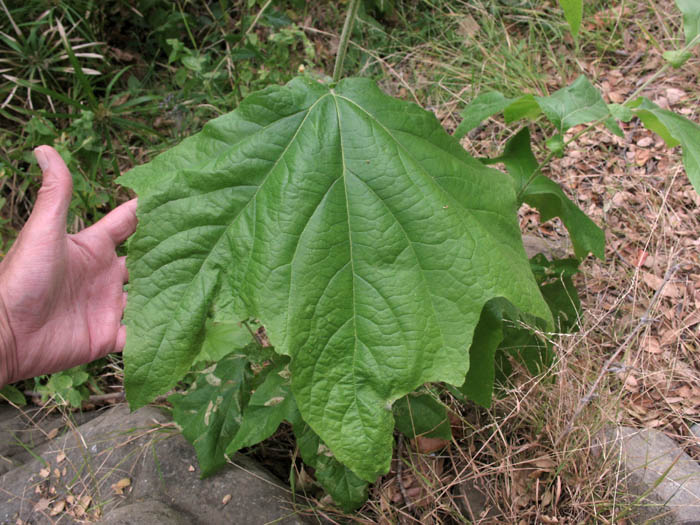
x=550, y=156
x=345, y=39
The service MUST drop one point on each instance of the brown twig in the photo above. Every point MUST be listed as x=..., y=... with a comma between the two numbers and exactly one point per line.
x=644, y=320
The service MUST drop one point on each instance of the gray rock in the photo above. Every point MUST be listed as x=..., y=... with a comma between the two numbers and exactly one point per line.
x=23, y=430
x=244, y=494
x=695, y=430
x=85, y=461
x=122, y=458
x=664, y=480
x=146, y=513
x=472, y=502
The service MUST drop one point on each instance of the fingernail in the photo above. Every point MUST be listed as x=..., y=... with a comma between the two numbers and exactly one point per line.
x=41, y=158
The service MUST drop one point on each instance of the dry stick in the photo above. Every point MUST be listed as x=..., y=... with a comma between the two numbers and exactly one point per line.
x=585, y=400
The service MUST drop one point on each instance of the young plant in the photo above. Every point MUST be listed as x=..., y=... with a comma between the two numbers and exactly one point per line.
x=378, y=255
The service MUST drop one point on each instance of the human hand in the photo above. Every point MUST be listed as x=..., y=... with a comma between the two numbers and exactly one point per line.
x=61, y=295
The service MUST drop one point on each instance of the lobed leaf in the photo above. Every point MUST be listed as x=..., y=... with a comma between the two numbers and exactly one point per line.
x=360, y=234
x=677, y=57
x=525, y=107
x=548, y=198
x=572, y=105
x=674, y=129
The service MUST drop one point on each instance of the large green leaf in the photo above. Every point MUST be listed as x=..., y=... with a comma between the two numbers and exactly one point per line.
x=573, y=11
x=346, y=489
x=548, y=198
x=572, y=105
x=360, y=234
x=210, y=413
x=691, y=18
x=674, y=129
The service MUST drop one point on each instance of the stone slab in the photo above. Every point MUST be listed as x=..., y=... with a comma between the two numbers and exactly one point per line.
x=664, y=479
x=146, y=513
x=138, y=460
x=84, y=461
x=244, y=494
x=23, y=430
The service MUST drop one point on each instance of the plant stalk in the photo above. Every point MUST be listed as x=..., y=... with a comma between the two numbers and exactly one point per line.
x=345, y=39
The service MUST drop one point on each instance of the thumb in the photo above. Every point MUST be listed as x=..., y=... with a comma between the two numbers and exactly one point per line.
x=53, y=199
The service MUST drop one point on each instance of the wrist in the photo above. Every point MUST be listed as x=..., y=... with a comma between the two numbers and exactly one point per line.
x=8, y=347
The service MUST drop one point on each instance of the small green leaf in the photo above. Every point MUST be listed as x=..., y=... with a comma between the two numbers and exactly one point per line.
x=13, y=395
x=613, y=126
x=576, y=104
x=271, y=403
x=555, y=144
x=210, y=412
x=479, y=109
x=674, y=129
x=74, y=398
x=573, y=11
x=79, y=376
x=558, y=290
x=420, y=414
x=621, y=112
x=549, y=199
x=678, y=57
x=60, y=382
x=525, y=107
x=691, y=18
x=346, y=489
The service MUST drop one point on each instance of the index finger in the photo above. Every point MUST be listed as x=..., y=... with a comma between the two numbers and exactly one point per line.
x=119, y=223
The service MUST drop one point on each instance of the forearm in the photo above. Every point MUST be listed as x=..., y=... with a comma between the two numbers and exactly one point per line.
x=8, y=348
